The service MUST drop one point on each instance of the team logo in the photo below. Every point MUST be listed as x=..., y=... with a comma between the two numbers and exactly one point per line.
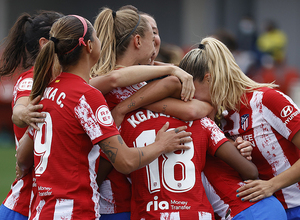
x=244, y=121
x=104, y=116
x=25, y=84
x=286, y=111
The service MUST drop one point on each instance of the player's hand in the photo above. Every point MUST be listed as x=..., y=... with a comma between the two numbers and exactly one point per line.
x=174, y=139
x=30, y=114
x=255, y=190
x=244, y=147
x=188, y=88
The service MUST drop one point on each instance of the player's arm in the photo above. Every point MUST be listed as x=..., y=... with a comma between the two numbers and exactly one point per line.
x=25, y=156
x=187, y=111
x=126, y=160
x=230, y=155
x=156, y=91
x=128, y=76
x=259, y=189
x=104, y=168
x=25, y=112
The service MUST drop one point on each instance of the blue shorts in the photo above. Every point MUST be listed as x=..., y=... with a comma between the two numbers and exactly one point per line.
x=116, y=216
x=293, y=213
x=266, y=209
x=8, y=214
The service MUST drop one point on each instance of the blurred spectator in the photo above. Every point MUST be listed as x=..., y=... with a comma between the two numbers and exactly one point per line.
x=247, y=34
x=244, y=58
x=272, y=43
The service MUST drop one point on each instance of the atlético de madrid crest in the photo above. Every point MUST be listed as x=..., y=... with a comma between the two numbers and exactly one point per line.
x=244, y=121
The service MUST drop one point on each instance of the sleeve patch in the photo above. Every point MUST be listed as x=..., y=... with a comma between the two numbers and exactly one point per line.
x=104, y=116
x=25, y=84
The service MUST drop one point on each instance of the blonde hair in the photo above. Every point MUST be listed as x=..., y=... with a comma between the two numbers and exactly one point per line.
x=228, y=83
x=114, y=30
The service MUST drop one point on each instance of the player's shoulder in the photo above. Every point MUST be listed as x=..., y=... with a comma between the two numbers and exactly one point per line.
x=27, y=74
x=206, y=122
x=274, y=97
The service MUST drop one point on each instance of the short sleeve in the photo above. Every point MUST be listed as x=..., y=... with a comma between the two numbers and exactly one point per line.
x=94, y=116
x=215, y=134
x=281, y=113
x=23, y=87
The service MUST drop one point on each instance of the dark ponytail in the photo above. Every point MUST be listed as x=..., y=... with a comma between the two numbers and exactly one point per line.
x=14, y=53
x=22, y=43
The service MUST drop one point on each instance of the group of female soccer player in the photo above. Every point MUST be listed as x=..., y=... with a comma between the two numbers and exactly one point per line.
x=73, y=162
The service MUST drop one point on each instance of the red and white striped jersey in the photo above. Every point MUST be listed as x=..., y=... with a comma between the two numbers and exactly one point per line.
x=170, y=187
x=66, y=154
x=269, y=120
x=20, y=196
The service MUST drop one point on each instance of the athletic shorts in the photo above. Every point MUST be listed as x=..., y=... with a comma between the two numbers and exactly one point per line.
x=266, y=209
x=6, y=213
x=293, y=213
x=116, y=216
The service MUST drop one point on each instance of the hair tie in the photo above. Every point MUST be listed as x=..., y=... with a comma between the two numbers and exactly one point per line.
x=201, y=46
x=55, y=40
x=81, y=39
x=114, y=14
x=131, y=32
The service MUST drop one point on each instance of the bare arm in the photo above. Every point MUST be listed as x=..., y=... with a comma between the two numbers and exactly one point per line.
x=187, y=111
x=25, y=156
x=151, y=95
x=259, y=189
x=230, y=155
x=25, y=112
x=128, y=76
x=104, y=168
x=126, y=160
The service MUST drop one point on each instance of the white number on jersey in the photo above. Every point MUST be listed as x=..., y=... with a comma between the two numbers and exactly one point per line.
x=42, y=144
x=171, y=160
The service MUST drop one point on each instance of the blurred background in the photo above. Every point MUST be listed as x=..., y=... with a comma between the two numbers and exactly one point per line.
x=262, y=35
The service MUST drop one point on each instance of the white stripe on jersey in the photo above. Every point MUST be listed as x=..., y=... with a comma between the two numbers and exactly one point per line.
x=107, y=203
x=63, y=209
x=31, y=198
x=214, y=199
x=87, y=119
x=268, y=115
x=39, y=209
x=11, y=201
x=93, y=155
x=268, y=145
x=205, y=216
x=169, y=216
x=176, y=216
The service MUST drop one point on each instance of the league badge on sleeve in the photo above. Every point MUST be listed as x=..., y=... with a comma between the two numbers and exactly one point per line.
x=104, y=116
x=25, y=84
x=244, y=121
